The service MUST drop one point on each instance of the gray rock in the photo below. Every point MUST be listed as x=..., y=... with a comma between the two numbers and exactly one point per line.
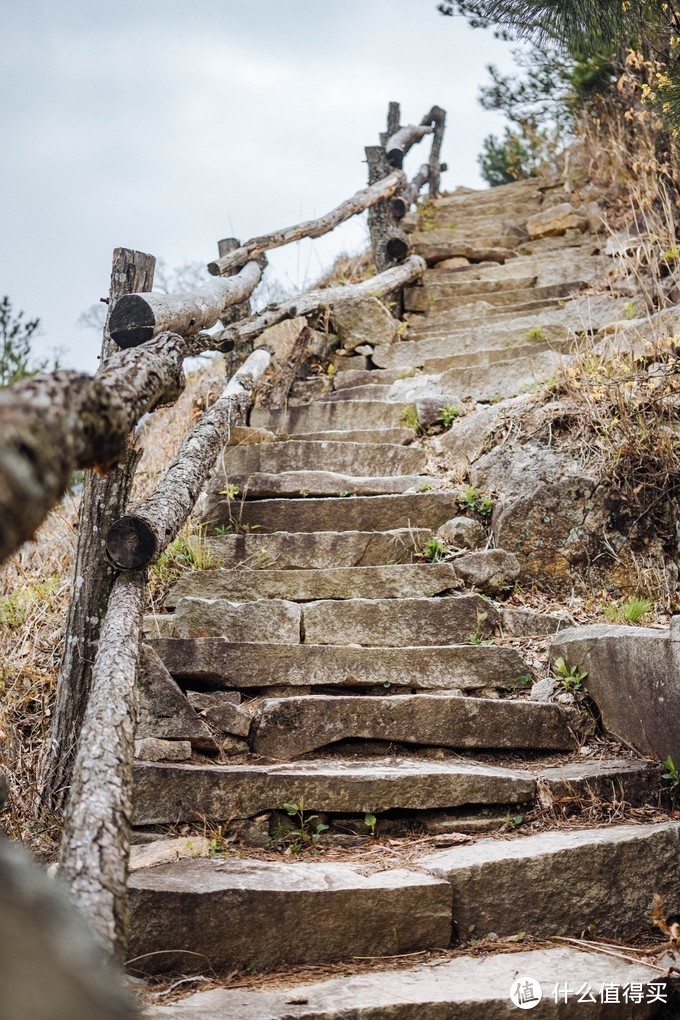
x=278, y=620
x=232, y=746
x=364, y=459
x=156, y=625
x=208, y=699
x=324, y=415
x=167, y=851
x=289, y=550
x=238, y=913
x=543, y=690
x=153, y=749
x=182, y=793
x=364, y=322
x=325, y=483
x=467, y=988
x=163, y=710
x=632, y=677
x=224, y=715
x=360, y=513
x=219, y=663
x=492, y=570
x=290, y=727
x=462, y=533
x=419, y=621
x=516, y=622
x=559, y=883
x=636, y=782
x=554, y=220
x=396, y=581
x=516, y=470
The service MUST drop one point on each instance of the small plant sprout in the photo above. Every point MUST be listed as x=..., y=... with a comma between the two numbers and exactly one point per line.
x=448, y=414
x=476, y=638
x=671, y=775
x=476, y=501
x=434, y=550
x=633, y=610
x=537, y=333
x=410, y=418
x=571, y=677
x=370, y=821
x=303, y=832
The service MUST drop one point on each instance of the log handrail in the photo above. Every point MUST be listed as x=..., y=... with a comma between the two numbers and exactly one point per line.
x=359, y=202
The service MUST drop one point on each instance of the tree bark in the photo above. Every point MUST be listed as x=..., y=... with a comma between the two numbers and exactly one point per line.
x=436, y=116
x=50, y=966
x=316, y=300
x=138, y=538
x=57, y=422
x=387, y=240
x=390, y=183
x=136, y=318
x=404, y=139
x=239, y=311
x=401, y=204
x=95, y=846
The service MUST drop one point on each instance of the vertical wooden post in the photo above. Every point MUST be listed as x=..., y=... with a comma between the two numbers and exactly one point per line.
x=393, y=122
x=103, y=501
x=234, y=358
x=439, y=117
x=380, y=222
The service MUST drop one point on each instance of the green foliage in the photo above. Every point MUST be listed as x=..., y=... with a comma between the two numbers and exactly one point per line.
x=476, y=501
x=537, y=333
x=507, y=159
x=16, y=338
x=410, y=418
x=448, y=414
x=370, y=821
x=15, y=607
x=631, y=611
x=434, y=550
x=671, y=775
x=571, y=677
x=302, y=833
x=186, y=552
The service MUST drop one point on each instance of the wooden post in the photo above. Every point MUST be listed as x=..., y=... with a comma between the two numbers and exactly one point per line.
x=95, y=846
x=103, y=501
x=438, y=118
x=243, y=309
x=387, y=240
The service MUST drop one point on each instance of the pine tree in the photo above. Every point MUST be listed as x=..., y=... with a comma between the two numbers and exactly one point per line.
x=16, y=336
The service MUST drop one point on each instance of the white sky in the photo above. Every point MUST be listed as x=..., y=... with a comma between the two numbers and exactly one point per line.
x=164, y=125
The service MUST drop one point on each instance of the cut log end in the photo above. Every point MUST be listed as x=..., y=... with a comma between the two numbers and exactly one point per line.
x=396, y=248
x=132, y=321
x=130, y=543
x=395, y=157
x=398, y=208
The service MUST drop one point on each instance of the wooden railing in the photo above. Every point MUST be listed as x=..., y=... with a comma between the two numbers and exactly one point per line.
x=57, y=422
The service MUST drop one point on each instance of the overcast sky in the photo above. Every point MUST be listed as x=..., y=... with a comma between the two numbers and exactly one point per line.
x=164, y=125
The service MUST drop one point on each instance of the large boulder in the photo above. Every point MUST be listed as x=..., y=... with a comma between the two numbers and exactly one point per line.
x=364, y=322
x=634, y=679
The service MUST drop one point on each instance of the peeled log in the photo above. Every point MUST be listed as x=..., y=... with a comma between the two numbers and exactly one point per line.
x=401, y=204
x=400, y=143
x=136, y=318
x=95, y=846
x=363, y=199
x=57, y=422
x=139, y=538
x=316, y=300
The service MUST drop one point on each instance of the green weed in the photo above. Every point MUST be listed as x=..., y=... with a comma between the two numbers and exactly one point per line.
x=633, y=610
x=570, y=677
x=476, y=501
x=448, y=414
x=434, y=550
x=303, y=831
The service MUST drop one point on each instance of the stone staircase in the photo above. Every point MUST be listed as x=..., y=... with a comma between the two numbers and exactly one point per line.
x=336, y=734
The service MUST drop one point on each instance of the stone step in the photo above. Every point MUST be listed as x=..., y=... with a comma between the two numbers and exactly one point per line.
x=355, y=513
x=229, y=913
x=562, y=882
x=172, y=793
x=316, y=417
x=389, y=436
x=395, y=622
x=218, y=663
x=420, y=299
x=393, y=582
x=466, y=987
x=504, y=379
x=319, y=550
x=290, y=727
x=322, y=483
x=487, y=343
x=375, y=459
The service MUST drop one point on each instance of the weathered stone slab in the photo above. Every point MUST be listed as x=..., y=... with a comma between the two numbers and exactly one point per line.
x=156, y=625
x=222, y=712
x=504, y=378
x=364, y=459
x=367, y=321
x=406, y=622
x=325, y=483
x=467, y=988
x=633, y=678
x=263, y=914
x=636, y=782
x=168, y=851
x=359, y=513
x=370, y=435
x=559, y=883
x=556, y=219
x=153, y=749
x=491, y=570
x=163, y=710
x=393, y=582
x=286, y=550
x=175, y=793
x=462, y=533
x=218, y=663
x=277, y=620
x=289, y=727
x=324, y=416
x=458, y=347
x=516, y=622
